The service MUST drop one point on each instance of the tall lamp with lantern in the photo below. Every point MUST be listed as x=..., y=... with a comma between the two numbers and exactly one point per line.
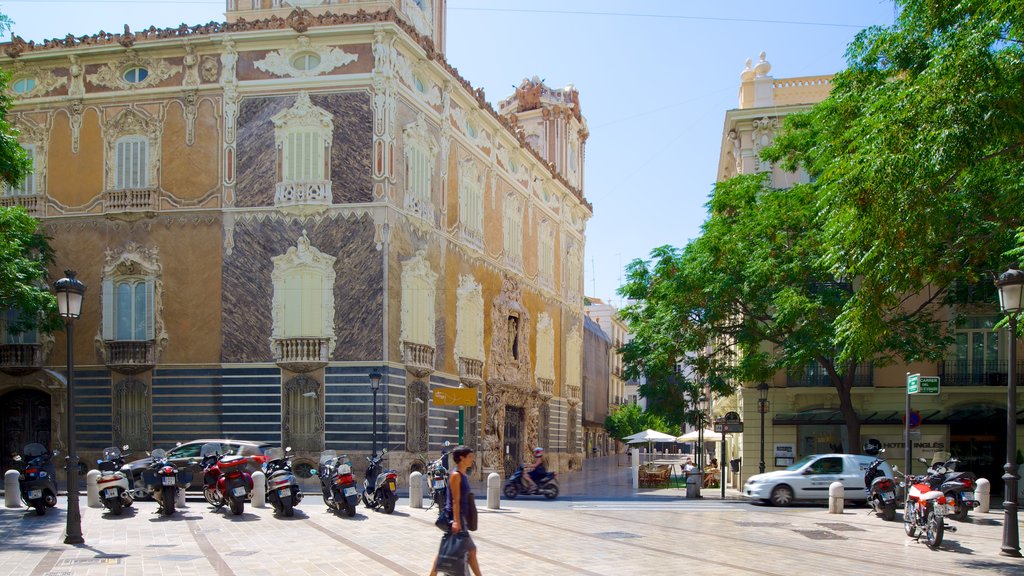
x=1011, y=300
x=70, y=291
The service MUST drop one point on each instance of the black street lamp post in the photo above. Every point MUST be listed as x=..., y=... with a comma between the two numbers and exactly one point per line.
x=69, y=301
x=1011, y=300
x=762, y=408
x=374, y=385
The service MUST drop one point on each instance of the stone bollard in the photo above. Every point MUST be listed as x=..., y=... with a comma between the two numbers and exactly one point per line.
x=493, y=491
x=92, y=489
x=179, y=498
x=259, y=489
x=415, y=489
x=835, y=498
x=12, y=490
x=983, y=493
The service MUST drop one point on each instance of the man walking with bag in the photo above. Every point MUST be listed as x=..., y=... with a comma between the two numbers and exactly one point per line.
x=457, y=544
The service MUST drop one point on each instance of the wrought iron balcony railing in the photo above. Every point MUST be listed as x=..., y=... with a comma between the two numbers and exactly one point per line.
x=982, y=373
x=815, y=376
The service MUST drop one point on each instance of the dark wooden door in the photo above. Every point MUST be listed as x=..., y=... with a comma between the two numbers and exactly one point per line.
x=24, y=418
x=514, y=418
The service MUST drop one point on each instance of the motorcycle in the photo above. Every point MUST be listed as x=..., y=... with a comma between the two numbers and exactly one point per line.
x=547, y=485
x=113, y=482
x=337, y=483
x=437, y=478
x=923, y=509
x=37, y=478
x=379, y=485
x=225, y=481
x=164, y=481
x=881, y=489
x=282, y=488
x=958, y=487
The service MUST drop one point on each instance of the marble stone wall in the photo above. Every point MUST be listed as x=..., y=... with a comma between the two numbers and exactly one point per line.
x=248, y=289
x=351, y=149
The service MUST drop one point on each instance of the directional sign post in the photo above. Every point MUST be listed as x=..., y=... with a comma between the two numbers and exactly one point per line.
x=916, y=384
x=460, y=397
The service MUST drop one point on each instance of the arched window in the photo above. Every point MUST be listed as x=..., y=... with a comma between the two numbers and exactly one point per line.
x=303, y=134
x=128, y=308
x=303, y=424
x=416, y=404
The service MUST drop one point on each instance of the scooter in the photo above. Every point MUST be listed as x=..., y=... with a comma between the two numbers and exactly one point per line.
x=547, y=485
x=437, y=478
x=37, y=480
x=225, y=481
x=881, y=489
x=379, y=485
x=282, y=488
x=337, y=483
x=923, y=509
x=958, y=487
x=164, y=481
x=113, y=483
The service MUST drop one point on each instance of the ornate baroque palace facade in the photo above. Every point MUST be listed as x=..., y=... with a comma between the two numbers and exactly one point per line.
x=266, y=210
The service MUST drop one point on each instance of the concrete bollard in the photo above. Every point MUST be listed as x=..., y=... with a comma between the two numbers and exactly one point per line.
x=415, y=489
x=983, y=492
x=259, y=489
x=835, y=498
x=493, y=491
x=179, y=498
x=12, y=490
x=92, y=489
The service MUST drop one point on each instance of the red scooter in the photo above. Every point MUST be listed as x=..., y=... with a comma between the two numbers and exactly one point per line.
x=225, y=481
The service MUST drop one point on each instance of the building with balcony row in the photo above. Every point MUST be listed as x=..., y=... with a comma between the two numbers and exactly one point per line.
x=267, y=209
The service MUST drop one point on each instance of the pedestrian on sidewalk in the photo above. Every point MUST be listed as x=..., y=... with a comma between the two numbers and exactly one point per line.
x=457, y=503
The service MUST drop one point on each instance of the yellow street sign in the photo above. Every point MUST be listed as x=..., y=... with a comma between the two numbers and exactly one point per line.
x=455, y=397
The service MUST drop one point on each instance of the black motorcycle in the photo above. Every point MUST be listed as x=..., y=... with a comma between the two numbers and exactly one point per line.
x=437, y=478
x=880, y=488
x=163, y=480
x=379, y=486
x=547, y=484
x=958, y=487
x=37, y=478
x=282, y=488
x=337, y=483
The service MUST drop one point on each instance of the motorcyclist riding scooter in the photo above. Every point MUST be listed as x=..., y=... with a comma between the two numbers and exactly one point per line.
x=534, y=472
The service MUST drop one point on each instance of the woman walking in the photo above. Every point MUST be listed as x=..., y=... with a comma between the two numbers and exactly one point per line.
x=457, y=501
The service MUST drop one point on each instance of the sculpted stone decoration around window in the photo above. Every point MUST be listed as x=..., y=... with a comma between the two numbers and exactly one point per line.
x=132, y=173
x=305, y=59
x=303, y=135
x=509, y=360
x=573, y=363
x=420, y=15
x=303, y=422
x=420, y=152
x=33, y=83
x=303, y=334
x=132, y=334
x=119, y=76
x=419, y=282
x=469, y=330
x=545, y=348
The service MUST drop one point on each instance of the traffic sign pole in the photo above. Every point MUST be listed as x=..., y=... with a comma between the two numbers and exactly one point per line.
x=912, y=382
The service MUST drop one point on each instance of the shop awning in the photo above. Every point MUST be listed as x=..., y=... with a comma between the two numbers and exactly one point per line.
x=947, y=416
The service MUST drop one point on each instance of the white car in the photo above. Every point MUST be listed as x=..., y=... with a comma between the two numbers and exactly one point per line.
x=810, y=477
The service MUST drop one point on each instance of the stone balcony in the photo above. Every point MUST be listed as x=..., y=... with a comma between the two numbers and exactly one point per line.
x=418, y=358
x=129, y=356
x=20, y=359
x=301, y=354
x=574, y=393
x=471, y=372
x=545, y=388
x=303, y=193
x=131, y=200
x=34, y=204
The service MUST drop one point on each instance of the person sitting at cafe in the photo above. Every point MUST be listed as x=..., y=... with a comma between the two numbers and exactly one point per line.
x=711, y=473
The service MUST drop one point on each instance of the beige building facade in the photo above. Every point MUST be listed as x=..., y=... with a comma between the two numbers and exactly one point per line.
x=967, y=418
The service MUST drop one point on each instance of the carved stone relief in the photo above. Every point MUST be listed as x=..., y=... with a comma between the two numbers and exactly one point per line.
x=36, y=135
x=46, y=82
x=191, y=109
x=112, y=75
x=504, y=367
x=763, y=136
x=420, y=15
x=281, y=62
x=76, y=72
x=469, y=319
x=384, y=105
x=418, y=142
x=75, y=110
x=191, y=61
x=132, y=122
x=209, y=69
x=419, y=283
x=133, y=260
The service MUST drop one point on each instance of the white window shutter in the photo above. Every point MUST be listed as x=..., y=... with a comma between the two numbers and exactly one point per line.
x=150, y=313
x=108, y=309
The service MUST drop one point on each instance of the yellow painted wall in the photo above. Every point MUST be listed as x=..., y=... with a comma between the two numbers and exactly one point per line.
x=189, y=172
x=75, y=179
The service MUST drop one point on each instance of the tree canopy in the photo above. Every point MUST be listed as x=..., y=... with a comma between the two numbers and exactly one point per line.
x=629, y=419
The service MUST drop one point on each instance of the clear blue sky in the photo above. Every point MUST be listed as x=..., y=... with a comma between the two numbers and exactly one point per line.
x=655, y=79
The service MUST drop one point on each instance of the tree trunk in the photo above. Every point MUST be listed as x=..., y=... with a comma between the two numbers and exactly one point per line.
x=844, y=387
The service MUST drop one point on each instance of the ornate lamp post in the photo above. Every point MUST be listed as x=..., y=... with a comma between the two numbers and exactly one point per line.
x=762, y=408
x=1011, y=301
x=69, y=301
x=374, y=385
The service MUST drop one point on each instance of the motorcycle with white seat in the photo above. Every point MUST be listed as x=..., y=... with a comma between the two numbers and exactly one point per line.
x=923, y=508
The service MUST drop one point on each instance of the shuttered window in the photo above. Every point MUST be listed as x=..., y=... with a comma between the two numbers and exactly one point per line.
x=419, y=170
x=131, y=166
x=302, y=157
x=28, y=185
x=128, y=309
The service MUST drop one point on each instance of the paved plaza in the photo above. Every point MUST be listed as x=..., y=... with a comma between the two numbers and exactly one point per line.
x=653, y=533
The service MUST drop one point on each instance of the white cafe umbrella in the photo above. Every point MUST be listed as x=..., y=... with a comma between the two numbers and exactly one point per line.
x=693, y=436
x=649, y=436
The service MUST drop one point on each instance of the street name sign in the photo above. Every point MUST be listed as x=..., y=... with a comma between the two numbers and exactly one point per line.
x=917, y=384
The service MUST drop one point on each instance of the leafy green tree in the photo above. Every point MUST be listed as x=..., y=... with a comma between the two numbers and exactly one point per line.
x=918, y=160
x=629, y=419
x=24, y=249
